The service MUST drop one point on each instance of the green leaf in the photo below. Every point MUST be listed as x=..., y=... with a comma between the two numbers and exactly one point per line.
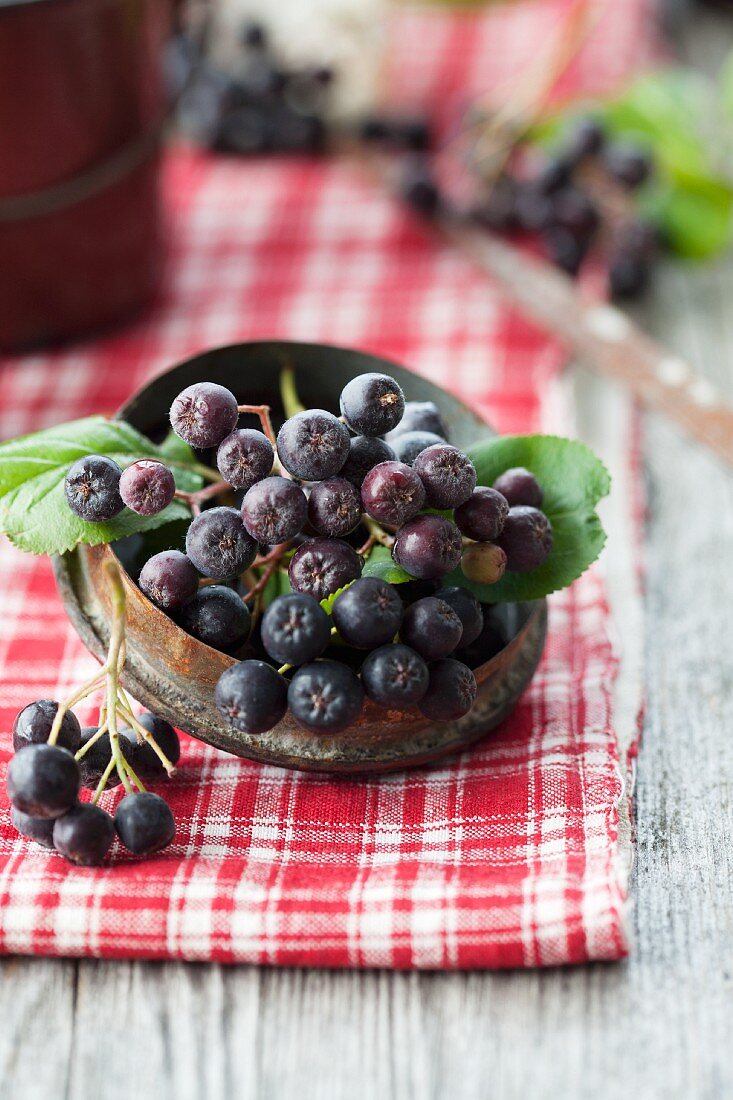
x=573, y=480
x=278, y=584
x=33, y=509
x=328, y=602
x=173, y=449
x=380, y=563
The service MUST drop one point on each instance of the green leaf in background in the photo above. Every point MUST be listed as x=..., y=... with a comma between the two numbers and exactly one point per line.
x=573, y=480
x=33, y=509
x=328, y=602
x=381, y=564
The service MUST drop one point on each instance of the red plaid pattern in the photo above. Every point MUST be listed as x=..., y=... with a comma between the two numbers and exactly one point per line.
x=505, y=856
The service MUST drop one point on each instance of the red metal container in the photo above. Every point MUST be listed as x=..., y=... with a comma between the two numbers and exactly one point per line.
x=82, y=107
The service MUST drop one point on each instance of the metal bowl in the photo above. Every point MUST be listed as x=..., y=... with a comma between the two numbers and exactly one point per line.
x=174, y=675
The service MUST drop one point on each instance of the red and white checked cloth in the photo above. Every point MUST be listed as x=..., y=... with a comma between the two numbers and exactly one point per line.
x=508, y=855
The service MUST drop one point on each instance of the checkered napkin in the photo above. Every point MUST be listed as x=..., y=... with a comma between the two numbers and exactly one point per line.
x=508, y=855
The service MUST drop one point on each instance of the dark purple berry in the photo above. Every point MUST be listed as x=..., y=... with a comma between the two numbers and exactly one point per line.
x=554, y=175
x=43, y=780
x=313, y=445
x=253, y=36
x=144, y=823
x=448, y=475
x=252, y=696
x=432, y=628
x=483, y=562
x=274, y=510
x=420, y=416
x=628, y=274
x=368, y=613
x=418, y=186
x=334, y=507
x=628, y=165
x=394, y=676
x=498, y=212
x=372, y=404
x=534, y=210
x=95, y=760
x=146, y=760
x=39, y=829
x=169, y=579
x=428, y=547
x=216, y=616
x=147, y=487
x=586, y=140
x=526, y=539
x=325, y=697
x=468, y=610
x=295, y=629
x=33, y=724
x=482, y=516
x=519, y=486
x=451, y=691
x=392, y=493
x=321, y=566
x=365, y=452
x=92, y=488
x=203, y=414
x=219, y=545
x=408, y=446
x=245, y=457
x=84, y=835
x=565, y=250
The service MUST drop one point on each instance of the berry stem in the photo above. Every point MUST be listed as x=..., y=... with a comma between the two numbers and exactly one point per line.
x=116, y=642
x=126, y=712
x=377, y=533
x=91, y=685
x=263, y=411
x=104, y=779
x=285, y=668
x=197, y=498
x=288, y=391
x=272, y=561
x=92, y=741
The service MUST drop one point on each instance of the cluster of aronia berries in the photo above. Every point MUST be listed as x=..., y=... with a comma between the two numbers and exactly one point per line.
x=315, y=499
x=54, y=760
x=578, y=201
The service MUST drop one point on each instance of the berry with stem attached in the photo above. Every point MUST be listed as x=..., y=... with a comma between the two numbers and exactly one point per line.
x=144, y=823
x=92, y=488
x=372, y=404
x=168, y=579
x=84, y=835
x=147, y=487
x=313, y=445
x=448, y=475
x=274, y=510
x=245, y=457
x=395, y=676
x=43, y=780
x=145, y=759
x=334, y=507
x=432, y=628
x=368, y=613
x=392, y=493
x=295, y=629
x=451, y=693
x=428, y=547
x=95, y=761
x=216, y=616
x=204, y=414
x=252, y=696
x=33, y=723
x=526, y=539
x=325, y=697
x=321, y=566
x=219, y=545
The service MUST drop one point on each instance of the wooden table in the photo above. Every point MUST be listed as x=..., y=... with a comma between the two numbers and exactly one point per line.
x=656, y=1026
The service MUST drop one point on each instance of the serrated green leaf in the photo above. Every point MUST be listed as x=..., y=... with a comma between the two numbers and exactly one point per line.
x=381, y=564
x=573, y=480
x=33, y=509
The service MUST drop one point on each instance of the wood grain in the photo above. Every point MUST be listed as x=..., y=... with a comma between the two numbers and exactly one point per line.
x=655, y=1027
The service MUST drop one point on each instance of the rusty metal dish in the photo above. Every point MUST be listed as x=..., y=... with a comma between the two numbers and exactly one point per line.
x=174, y=675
